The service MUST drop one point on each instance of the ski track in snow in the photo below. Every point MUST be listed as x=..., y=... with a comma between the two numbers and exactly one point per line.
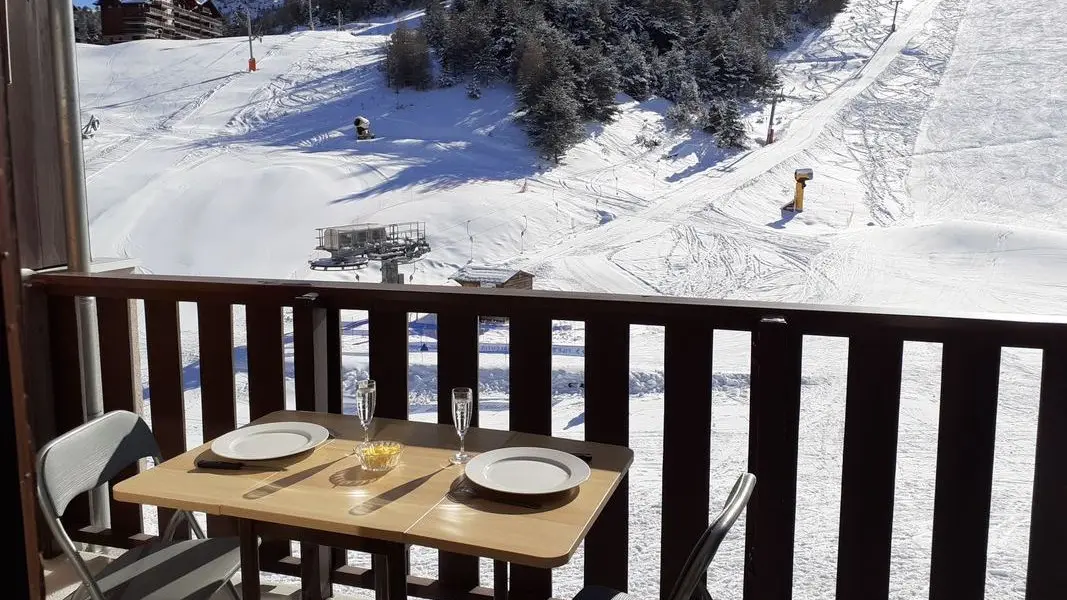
x=934, y=186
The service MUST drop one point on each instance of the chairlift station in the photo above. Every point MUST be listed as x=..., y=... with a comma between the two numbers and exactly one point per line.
x=353, y=246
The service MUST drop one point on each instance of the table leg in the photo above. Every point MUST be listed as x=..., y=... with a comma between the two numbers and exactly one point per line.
x=316, y=565
x=529, y=583
x=391, y=573
x=249, y=559
x=500, y=580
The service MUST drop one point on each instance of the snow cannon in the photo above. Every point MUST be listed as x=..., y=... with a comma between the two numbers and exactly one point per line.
x=801, y=176
x=363, y=128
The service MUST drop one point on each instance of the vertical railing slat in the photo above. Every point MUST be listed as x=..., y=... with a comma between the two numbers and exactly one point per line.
x=266, y=369
x=334, y=389
x=686, y=445
x=66, y=388
x=457, y=366
x=530, y=375
x=773, y=435
x=388, y=345
x=334, y=396
x=1046, y=576
x=872, y=409
x=388, y=349
x=310, y=356
x=311, y=369
x=530, y=382
x=117, y=384
x=970, y=373
x=266, y=384
x=607, y=421
x=166, y=397
x=218, y=406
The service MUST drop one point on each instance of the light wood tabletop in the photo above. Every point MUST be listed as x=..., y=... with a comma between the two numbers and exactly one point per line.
x=423, y=501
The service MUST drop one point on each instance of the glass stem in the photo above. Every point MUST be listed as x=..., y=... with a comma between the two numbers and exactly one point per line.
x=366, y=434
x=461, y=449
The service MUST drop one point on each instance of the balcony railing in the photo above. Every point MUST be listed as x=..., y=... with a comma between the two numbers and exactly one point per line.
x=968, y=406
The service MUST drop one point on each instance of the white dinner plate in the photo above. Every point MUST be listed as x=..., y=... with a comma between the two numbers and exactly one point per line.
x=525, y=470
x=269, y=440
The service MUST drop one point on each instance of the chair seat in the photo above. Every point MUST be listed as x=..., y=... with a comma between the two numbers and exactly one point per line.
x=177, y=570
x=596, y=592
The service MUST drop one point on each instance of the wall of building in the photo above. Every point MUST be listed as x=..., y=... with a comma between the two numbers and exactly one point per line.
x=177, y=20
x=522, y=281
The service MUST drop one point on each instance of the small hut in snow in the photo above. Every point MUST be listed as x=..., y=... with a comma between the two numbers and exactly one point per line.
x=493, y=277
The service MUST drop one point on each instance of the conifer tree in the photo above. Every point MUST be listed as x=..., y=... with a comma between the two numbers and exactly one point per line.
x=553, y=121
x=724, y=120
x=435, y=24
x=635, y=74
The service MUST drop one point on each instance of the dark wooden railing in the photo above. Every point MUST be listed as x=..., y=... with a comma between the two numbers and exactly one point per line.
x=971, y=357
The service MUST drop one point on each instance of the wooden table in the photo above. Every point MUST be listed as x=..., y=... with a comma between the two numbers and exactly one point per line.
x=325, y=497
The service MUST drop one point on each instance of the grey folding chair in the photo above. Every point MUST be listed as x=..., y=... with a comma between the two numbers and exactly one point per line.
x=690, y=584
x=93, y=454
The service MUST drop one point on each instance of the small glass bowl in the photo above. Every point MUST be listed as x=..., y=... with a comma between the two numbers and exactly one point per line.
x=379, y=456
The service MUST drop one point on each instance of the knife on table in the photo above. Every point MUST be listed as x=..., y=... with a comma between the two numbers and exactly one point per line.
x=233, y=466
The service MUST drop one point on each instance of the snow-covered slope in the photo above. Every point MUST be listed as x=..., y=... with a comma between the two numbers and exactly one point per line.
x=939, y=182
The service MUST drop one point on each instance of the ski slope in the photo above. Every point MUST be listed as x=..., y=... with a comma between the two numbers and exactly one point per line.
x=939, y=183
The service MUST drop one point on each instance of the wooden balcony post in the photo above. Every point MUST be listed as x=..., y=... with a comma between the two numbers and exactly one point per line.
x=531, y=412
x=686, y=445
x=165, y=385
x=970, y=373
x=1046, y=576
x=872, y=410
x=121, y=391
x=66, y=388
x=44, y=404
x=266, y=384
x=218, y=404
x=457, y=366
x=310, y=350
x=773, y=437
x=388, y=346
x=607, y=420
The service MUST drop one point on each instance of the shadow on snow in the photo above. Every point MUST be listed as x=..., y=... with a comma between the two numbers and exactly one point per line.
x=437, y=139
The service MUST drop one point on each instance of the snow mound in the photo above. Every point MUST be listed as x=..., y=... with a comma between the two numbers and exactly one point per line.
x=985, y=267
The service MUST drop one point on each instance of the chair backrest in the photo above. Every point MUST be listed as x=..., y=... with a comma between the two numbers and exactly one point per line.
x=81, y=459
x=90, y=455
x=691, y=580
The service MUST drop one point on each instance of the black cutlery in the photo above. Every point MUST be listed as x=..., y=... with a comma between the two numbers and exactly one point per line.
x=232, y=466
x=471, y=493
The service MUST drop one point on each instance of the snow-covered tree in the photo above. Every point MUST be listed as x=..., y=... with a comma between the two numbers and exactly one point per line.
x=544, y=61
x=687, y=111
x=467, y=39
x=509, y=22
x=820, y=11
x=724, y=120
x=669, y=21
x=435, y=24
x=597, y=85
x=635, y=74
x=553, y=122
x=674, y=74
x=582, y=20
x=747, y=21
x=706, y=56
x=87, y=25
x=407, y=59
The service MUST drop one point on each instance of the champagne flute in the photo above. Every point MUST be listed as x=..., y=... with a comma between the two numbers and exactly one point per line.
x=366, y=395
x=462, y=410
